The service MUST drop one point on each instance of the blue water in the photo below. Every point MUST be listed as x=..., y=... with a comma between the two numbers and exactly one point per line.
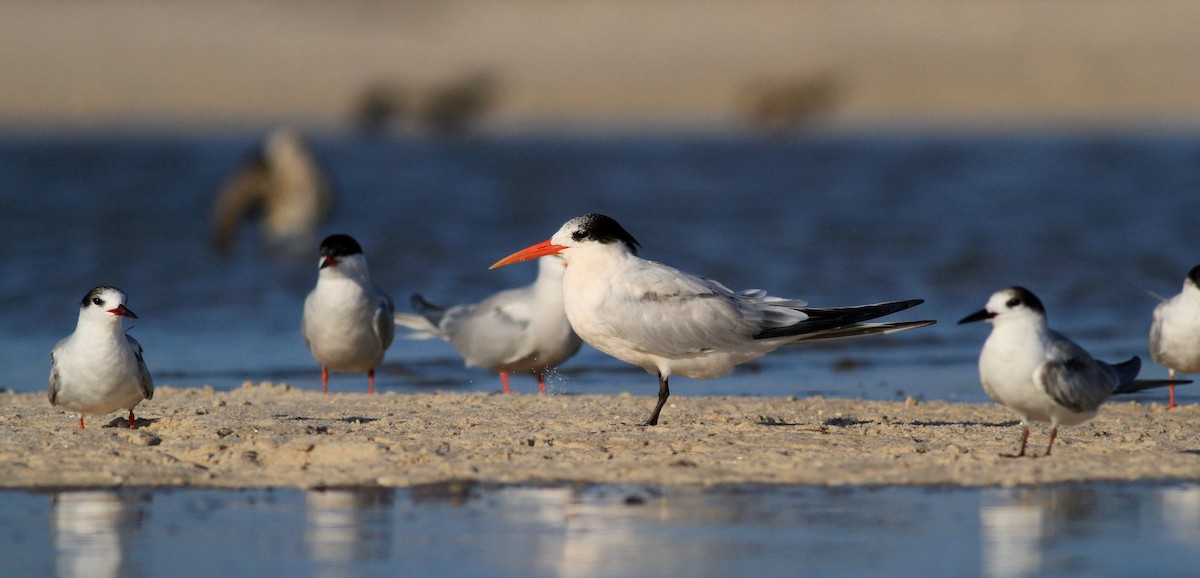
x=1092, y=530
x=1092, y=223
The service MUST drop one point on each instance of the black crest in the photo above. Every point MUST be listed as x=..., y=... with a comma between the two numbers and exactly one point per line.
x=1194, y=275
x=340, y=246
x=95, y=294
x=603, y=229
x=1021, y=295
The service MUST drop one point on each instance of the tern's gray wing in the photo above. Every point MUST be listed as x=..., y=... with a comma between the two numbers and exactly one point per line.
x=145, y=382
x=385, y=324
x=1073, y=379
x=492, y=332
x=55, y=380
x=656, y=308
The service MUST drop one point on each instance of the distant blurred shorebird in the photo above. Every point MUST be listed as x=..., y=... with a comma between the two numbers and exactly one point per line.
x=453, y=109
x=282, y=185
x=787, y=105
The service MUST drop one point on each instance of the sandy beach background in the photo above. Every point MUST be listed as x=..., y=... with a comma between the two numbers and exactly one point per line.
x=265, y=435
x=600, y=64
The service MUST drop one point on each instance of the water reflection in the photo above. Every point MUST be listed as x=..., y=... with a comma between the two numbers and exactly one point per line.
x=1011, y=533
x=605, y=537
x=1181, y=513
x=348, y=525
x=93, y=532
x=578, y=531
x=584, y=534
x=1028, y=530
x=587, y=531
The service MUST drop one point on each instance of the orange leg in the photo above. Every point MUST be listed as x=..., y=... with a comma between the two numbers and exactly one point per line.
x=132, y=421
x=371, y=382
x=541, y=382
x=504, y=380
x=325, y=380
x=81, y=421
x=1024, y=441
x=1171, y=376
x=1053, y=434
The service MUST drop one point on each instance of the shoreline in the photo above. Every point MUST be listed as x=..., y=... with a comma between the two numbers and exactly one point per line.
x=276, y=436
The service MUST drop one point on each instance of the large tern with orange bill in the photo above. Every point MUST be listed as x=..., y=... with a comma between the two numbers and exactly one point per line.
x=672, y=323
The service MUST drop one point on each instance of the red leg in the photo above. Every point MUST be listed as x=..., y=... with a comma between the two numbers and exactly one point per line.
x=541, y=382
x=1053, y=434
x=81, y=421
x=371, y=382
x=1171, y=376
x=325, y=380
x=132, y=421
x=1024, y=440
x=504, y=380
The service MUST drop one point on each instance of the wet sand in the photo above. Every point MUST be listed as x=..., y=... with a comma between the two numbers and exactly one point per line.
x=265, y=435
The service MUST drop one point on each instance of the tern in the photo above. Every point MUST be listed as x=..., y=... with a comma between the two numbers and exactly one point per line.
x=1175, y=334
x=347, y=320
x=672, y=323
x=522, y=330
x=1041, y=374
x=99, y=369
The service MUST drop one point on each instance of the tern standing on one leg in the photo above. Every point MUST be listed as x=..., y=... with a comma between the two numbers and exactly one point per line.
x=1175, y=334
x=671, y=323
x=347, y=320
x=98, y=368
x=523, y=330
x=1040, y=373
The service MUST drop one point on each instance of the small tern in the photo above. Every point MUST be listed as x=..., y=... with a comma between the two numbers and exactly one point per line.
x=522, y=330
x=347, y=320
x=99, y=369
x=1041, y=374
x=1175, y=334
x=672, y=323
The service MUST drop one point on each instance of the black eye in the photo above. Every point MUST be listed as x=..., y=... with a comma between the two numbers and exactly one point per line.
x=97, y=301
x=578, y=235
x=1013, y=302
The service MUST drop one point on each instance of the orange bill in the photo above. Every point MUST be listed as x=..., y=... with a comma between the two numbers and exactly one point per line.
x=539, y=250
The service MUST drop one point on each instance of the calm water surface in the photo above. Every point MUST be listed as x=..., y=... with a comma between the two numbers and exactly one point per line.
x=1092, y=223
x=1092, y=530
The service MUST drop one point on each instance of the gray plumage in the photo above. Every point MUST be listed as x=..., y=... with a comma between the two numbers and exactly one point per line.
x=521, y=330
x=1041, y=374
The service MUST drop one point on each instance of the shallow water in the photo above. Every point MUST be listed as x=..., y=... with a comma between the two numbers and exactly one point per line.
x=1091, y=223
x=1093, y=530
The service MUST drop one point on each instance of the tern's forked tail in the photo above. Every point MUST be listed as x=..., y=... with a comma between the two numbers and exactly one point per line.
x=845, y=322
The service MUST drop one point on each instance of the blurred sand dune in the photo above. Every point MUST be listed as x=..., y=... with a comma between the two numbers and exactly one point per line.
x=599, y=63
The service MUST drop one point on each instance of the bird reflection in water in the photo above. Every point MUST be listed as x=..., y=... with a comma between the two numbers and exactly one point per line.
x=93, y=531
x=1021, y=529
x=1181, y=513
x=348, y=525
